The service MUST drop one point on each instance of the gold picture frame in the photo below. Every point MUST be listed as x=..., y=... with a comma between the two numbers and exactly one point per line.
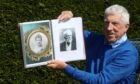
x=30, y=49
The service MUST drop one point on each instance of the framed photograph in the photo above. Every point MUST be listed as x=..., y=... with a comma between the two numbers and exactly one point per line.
x=68, y=40
x=50, y=39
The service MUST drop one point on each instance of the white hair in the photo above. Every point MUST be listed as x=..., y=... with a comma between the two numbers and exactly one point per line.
x=118, y=9
x=67, y=32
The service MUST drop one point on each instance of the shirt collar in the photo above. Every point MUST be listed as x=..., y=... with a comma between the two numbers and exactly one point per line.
x=119, y=41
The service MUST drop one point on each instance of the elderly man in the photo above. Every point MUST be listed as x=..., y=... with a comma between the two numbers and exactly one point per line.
x=111, y=58
x=68, y=43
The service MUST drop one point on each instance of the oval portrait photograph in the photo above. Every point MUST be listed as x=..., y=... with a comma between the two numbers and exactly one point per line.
x=38, y=42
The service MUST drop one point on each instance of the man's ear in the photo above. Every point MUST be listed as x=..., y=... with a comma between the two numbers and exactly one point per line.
x=127, y=26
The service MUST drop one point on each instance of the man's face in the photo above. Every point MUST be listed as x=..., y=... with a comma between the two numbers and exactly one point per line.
x=39, y=43
x=68, y=37
x=114, y=28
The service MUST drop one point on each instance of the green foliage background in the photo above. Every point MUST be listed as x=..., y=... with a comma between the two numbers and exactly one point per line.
x=14, y=11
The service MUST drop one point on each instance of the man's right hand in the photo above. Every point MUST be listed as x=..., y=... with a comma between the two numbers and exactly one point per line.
x=57, y=64
x=65, y=15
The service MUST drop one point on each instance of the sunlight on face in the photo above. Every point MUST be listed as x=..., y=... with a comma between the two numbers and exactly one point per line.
x=114, y=27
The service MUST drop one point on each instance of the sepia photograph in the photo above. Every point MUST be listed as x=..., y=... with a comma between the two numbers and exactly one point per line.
x=36, y=43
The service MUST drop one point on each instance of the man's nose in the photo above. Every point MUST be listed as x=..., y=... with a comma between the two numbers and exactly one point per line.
x=110, y=26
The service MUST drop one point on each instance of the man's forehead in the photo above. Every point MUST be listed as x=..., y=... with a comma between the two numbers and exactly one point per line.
x=113, y=18
x=67, y=32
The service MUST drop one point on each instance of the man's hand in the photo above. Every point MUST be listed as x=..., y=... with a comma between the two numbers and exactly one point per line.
x=65, y=15
x=57, y=64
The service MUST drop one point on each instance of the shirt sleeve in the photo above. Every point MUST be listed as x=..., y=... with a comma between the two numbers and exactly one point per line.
x=120, y=68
